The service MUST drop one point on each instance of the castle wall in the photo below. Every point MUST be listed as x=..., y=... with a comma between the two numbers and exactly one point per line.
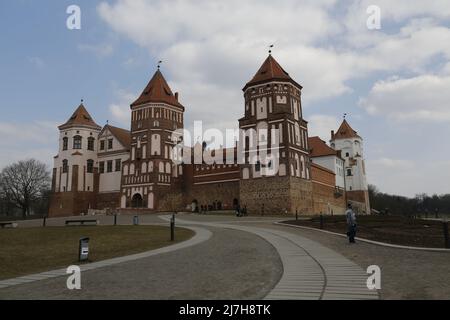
x=276, y=195
x=109, y=200
x=227, y=193
x=325, y=198
x=66, y=204
x=359, y=200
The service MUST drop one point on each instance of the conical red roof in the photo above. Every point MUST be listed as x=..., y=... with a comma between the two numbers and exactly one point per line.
x=269, y=71
x=80, y=117
x=157, y=90
x=345, y=131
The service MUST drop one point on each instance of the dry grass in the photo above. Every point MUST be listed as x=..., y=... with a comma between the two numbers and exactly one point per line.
x=32, y=250
x=390, y=229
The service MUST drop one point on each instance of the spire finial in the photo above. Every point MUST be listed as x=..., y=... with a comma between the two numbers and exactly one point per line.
x=107, y=122
x=345, y=116
x=270, y=49
x=82, y=100
x=159, y=64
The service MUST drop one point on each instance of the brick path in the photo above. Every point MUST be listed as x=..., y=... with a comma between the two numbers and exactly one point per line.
x=311, y=271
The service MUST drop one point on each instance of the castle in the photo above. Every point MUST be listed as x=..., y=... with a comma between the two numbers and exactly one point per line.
x=135, y=171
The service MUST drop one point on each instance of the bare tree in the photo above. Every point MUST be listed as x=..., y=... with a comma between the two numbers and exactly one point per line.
x=24, y=182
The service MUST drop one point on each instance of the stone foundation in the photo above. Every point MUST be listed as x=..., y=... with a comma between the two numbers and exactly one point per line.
x=276, y=195
x=66, y=204
x=108, y=200
x=226, y=193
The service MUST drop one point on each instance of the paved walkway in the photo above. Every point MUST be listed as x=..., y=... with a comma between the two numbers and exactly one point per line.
x=311, y=271
x=405, y=274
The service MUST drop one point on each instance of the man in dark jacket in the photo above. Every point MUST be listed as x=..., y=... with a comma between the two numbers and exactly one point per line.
x=351, y=224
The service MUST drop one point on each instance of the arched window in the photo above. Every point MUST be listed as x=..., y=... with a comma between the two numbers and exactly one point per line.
x=150, y=166
x=91, y=142
x=90, y=166
x=65, y=143
x=77, y=142
x=65, y=164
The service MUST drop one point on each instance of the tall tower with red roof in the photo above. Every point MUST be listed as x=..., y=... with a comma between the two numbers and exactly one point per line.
x=350, y=144
x=150, y=178
x=273, y=102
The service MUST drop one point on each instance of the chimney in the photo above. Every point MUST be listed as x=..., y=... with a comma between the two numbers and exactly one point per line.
x=332, y=134
x=176, y=96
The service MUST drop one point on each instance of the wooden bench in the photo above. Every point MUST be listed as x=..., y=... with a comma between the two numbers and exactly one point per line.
x=82, y=222
x=8, y=224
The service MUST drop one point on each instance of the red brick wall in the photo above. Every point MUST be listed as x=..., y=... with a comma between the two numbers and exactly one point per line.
x=325, y=199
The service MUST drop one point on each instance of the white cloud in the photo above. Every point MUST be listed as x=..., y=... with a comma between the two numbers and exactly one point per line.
x=321, y=125
x=153, y=23
x=120, y=110
x=29, y=140
x=425, y=97
x=389, y=163
x=405, y=177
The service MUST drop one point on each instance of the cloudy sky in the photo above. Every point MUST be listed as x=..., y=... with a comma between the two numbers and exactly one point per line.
x=394, y=83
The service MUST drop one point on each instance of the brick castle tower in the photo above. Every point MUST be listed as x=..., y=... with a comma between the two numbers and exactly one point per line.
x=150, y=179
x=273, y=101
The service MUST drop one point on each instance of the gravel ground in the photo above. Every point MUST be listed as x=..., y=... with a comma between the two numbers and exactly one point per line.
x=231, y=265
x=405, y=274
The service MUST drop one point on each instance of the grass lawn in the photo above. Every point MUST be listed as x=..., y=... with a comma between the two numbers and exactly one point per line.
x=390, y=229
x=33, y=250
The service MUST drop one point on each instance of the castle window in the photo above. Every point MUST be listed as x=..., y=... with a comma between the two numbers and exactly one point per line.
x=101, y=167
x=65, y=166
x=77, y=142
x=156, y=124
x=102, y=145
x=110, y=144
x=347, y=154
x=65, y=143
x=118, y=164
x=109, y=166
x=90, y=166
x=91, y=143
x=258, y=166
x=349, y=172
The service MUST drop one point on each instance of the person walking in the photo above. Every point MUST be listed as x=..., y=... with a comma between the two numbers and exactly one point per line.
x=351, y=224
x=238, y=211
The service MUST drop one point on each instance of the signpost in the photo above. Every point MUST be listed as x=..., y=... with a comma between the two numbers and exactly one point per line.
x=446, y=236
x=83, y=252
x=172, y=228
